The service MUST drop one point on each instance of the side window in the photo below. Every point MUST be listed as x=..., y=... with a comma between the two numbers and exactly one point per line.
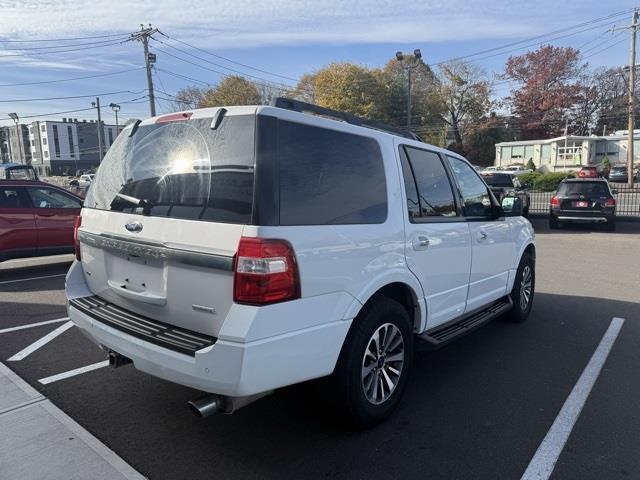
x=435, y=196
x=329, y=177
x=413, y=203
x=49, y=198
x=476, y=197
x=11, y=197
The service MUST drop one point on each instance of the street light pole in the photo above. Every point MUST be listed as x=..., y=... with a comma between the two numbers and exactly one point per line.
x=116, y=108
x=417, y=60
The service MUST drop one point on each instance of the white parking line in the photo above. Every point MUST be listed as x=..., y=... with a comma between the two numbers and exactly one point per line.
x=32, y=278
x=31, y=325
x=22, y=354
x=73, y=373
x=545, y=458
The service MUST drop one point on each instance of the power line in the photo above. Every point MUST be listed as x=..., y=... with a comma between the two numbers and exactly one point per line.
x=228, y=59
x=22, y=49
x=541, y=37
x=64, y=39
x=68, y=98
x=29, y=54
x=70, y=79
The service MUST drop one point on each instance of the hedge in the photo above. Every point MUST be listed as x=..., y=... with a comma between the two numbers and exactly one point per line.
x=547, y=182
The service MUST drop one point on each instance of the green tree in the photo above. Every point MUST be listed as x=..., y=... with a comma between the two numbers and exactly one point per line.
x=233, y=90
x=346, y=87
x=480, y=145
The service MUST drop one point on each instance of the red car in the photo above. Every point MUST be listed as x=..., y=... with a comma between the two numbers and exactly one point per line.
x=36, y=219
x=592, y=172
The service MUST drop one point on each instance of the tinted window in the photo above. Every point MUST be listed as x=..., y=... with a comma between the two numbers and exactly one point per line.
x=11, y=197
x=49, y=198
x=435, y=196
x=184, y=169
x=476, y=197
x=413, y=203
x=329, y=177
x=583, y=188
x=498, y=180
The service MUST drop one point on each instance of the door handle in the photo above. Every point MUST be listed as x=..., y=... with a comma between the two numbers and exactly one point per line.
x=48, y=214
x=420, y=243
x=482, y=235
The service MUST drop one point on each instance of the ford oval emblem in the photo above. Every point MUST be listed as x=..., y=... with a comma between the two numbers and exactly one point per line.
x=133, y=226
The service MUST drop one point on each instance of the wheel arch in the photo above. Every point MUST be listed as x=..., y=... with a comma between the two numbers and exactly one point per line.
x=406, y=294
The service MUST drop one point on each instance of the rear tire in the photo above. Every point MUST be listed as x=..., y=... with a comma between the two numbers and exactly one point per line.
x=368, y=383
x=523, y=290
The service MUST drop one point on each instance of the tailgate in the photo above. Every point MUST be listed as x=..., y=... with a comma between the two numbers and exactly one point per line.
x=186, y=280
x=164, y=215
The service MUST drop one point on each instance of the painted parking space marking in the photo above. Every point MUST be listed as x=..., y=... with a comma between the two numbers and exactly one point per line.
x=545, y=458
x=73, y=373
x=22, y=354
x=32, y=325
x=4, y=282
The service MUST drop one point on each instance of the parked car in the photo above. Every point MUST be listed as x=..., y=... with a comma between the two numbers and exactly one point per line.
x=17, y=171
x=85, y=180
x=583, y=201
x=593, y=171
x=619, y=173
x=36, y=219
x=491, y=170
x=517, y=169
x=287, y=243
x=507, y=184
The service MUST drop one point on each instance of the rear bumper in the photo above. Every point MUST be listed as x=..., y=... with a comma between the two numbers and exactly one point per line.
x=228, y=367
x=582, y=217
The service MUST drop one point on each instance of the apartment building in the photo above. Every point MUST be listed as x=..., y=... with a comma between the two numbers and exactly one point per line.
x=64, y=147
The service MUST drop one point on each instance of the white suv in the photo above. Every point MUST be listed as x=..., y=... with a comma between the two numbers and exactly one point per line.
x=242, y=249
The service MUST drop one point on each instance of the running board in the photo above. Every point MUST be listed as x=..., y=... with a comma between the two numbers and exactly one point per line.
x=448, y=332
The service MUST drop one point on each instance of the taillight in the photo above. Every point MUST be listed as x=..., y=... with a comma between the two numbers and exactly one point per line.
x=76, y=243
x=555, y=202
x=611, y=202
x=266, y=272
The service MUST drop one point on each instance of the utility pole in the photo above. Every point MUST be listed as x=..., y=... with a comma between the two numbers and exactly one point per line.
x=632, y=79
x=417, y=56
x=96, y=104
x=149, y=59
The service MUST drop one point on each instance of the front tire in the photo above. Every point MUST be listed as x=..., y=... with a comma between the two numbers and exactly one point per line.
x=374, y=364
x=523, y=290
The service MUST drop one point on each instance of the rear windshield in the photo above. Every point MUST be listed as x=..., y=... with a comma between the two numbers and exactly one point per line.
x=181, y=170
x=619, y=169
x=18, y=173
x=583, y=188
x=498, y=180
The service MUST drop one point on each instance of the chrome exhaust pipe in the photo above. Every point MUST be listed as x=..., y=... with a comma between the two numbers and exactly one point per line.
x=205, y=406
x=116, y=360
x=209, y=404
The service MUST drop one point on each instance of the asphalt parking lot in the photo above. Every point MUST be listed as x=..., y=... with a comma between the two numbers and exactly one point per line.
x=479, y=408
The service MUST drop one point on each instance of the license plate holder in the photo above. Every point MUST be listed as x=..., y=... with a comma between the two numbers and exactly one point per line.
x=581, y=204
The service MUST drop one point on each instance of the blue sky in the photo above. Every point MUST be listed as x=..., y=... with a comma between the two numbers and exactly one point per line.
x=285, y=38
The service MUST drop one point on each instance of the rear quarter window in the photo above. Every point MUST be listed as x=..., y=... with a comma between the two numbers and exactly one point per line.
x=329, y=177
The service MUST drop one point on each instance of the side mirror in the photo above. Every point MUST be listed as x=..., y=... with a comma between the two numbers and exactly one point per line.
x=614, y=191
x=512, y=206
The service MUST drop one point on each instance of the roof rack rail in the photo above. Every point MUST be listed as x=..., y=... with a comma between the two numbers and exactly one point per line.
x=304, y=107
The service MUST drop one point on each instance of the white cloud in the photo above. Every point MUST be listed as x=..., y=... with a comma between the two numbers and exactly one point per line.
x=244, y=23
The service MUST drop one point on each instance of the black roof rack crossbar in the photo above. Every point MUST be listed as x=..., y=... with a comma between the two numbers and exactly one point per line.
x=304, y=107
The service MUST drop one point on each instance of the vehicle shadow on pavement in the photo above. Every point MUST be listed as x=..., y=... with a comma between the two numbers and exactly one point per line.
x=477, y=408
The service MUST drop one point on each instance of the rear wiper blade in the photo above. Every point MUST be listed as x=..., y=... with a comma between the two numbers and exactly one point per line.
x=146, y=205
